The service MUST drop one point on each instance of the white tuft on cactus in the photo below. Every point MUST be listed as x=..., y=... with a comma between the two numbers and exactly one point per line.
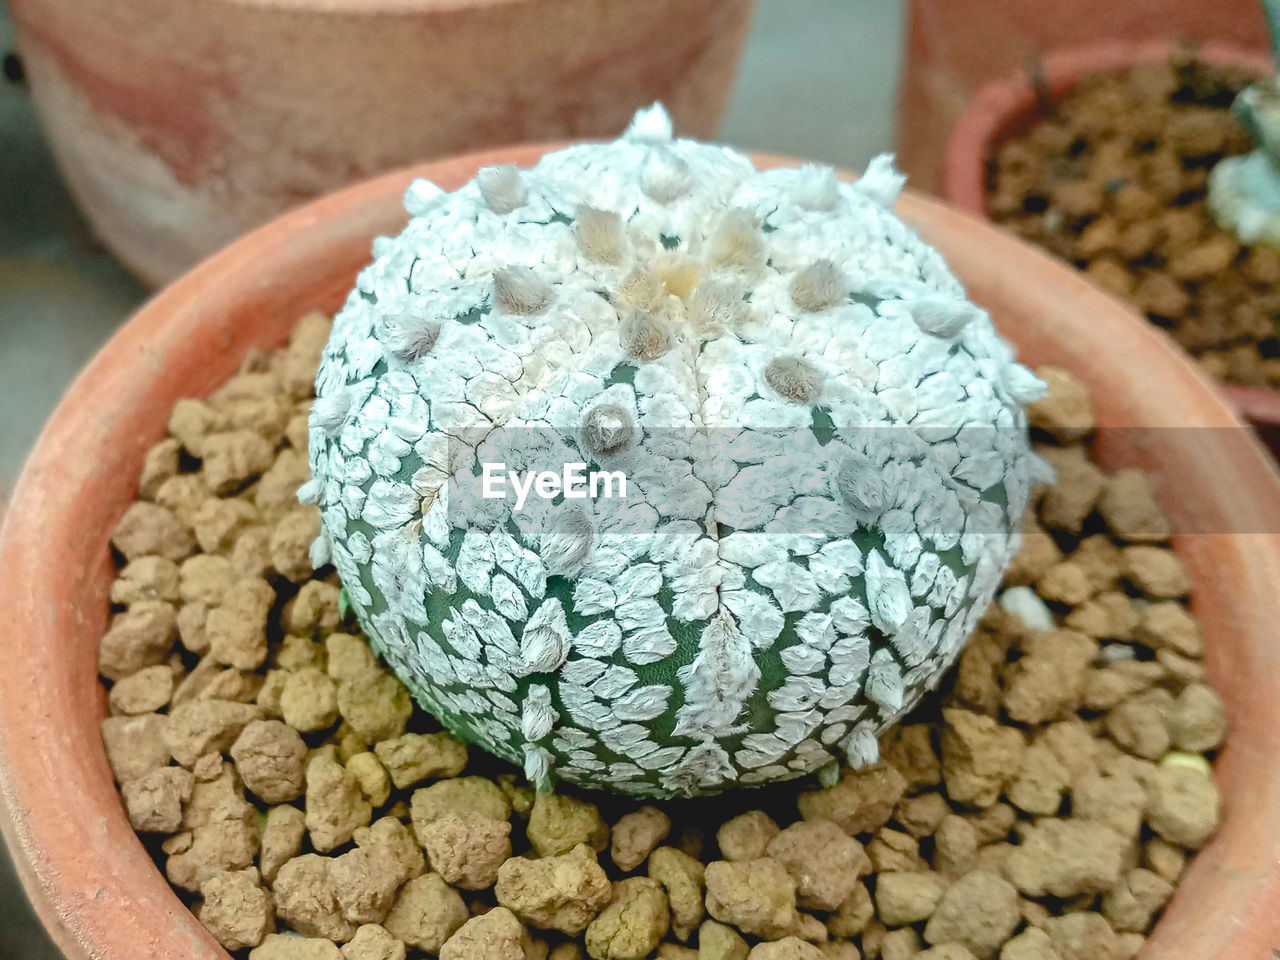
x=823, y=443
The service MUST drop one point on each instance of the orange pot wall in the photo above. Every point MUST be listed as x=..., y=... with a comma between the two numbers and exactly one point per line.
x=179, y=124
x=953, y=47
x=90, y=877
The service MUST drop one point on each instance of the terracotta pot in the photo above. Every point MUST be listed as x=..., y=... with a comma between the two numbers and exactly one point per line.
x=179, y=124
x=96, y=886
x=1011, y=105
x=953, y=47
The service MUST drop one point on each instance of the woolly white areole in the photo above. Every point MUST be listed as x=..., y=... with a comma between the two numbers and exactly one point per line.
x=824, y=442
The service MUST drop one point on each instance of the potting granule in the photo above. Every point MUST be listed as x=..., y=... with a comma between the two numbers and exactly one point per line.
x=1042, y=807
x=1114, y=179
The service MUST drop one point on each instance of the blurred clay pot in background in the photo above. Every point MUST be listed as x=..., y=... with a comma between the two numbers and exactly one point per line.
x=1012, y=104
x=179, y=124
x=953, y=47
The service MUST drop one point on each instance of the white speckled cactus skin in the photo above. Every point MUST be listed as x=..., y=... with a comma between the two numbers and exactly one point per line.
x=743, y=618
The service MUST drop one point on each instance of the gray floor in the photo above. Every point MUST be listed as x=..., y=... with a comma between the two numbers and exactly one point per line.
x=817, y=80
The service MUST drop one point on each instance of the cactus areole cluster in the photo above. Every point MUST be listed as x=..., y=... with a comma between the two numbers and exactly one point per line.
x=824, y=443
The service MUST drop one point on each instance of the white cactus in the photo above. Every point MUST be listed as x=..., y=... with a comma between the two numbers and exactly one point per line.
x=823, y=440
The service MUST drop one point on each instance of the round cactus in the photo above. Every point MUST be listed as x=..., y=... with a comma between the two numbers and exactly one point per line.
x=823, y=442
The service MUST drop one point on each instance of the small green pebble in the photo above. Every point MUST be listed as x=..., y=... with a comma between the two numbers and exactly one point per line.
x=1190, y=761
x=829, y=775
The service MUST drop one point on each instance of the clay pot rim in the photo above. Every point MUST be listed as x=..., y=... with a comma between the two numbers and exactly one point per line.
x=383, y=7
x=74, y=863
x=1005, y=104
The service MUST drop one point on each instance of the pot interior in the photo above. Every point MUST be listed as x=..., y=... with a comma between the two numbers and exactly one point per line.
x=96, y=885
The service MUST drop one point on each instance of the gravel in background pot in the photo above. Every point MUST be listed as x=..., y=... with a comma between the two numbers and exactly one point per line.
x=1237, y=303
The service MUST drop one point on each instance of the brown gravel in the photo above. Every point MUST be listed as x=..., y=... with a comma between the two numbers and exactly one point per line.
x=1114, y=178
x=1043, y=806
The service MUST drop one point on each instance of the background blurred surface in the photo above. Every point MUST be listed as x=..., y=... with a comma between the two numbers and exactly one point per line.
x=817, y=80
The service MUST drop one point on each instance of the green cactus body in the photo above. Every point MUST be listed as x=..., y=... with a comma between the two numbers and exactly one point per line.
x=824, y=444
x=1244, y=192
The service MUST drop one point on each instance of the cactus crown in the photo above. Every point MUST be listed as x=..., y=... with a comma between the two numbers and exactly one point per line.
x=1244, y=192
x=824, y=443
